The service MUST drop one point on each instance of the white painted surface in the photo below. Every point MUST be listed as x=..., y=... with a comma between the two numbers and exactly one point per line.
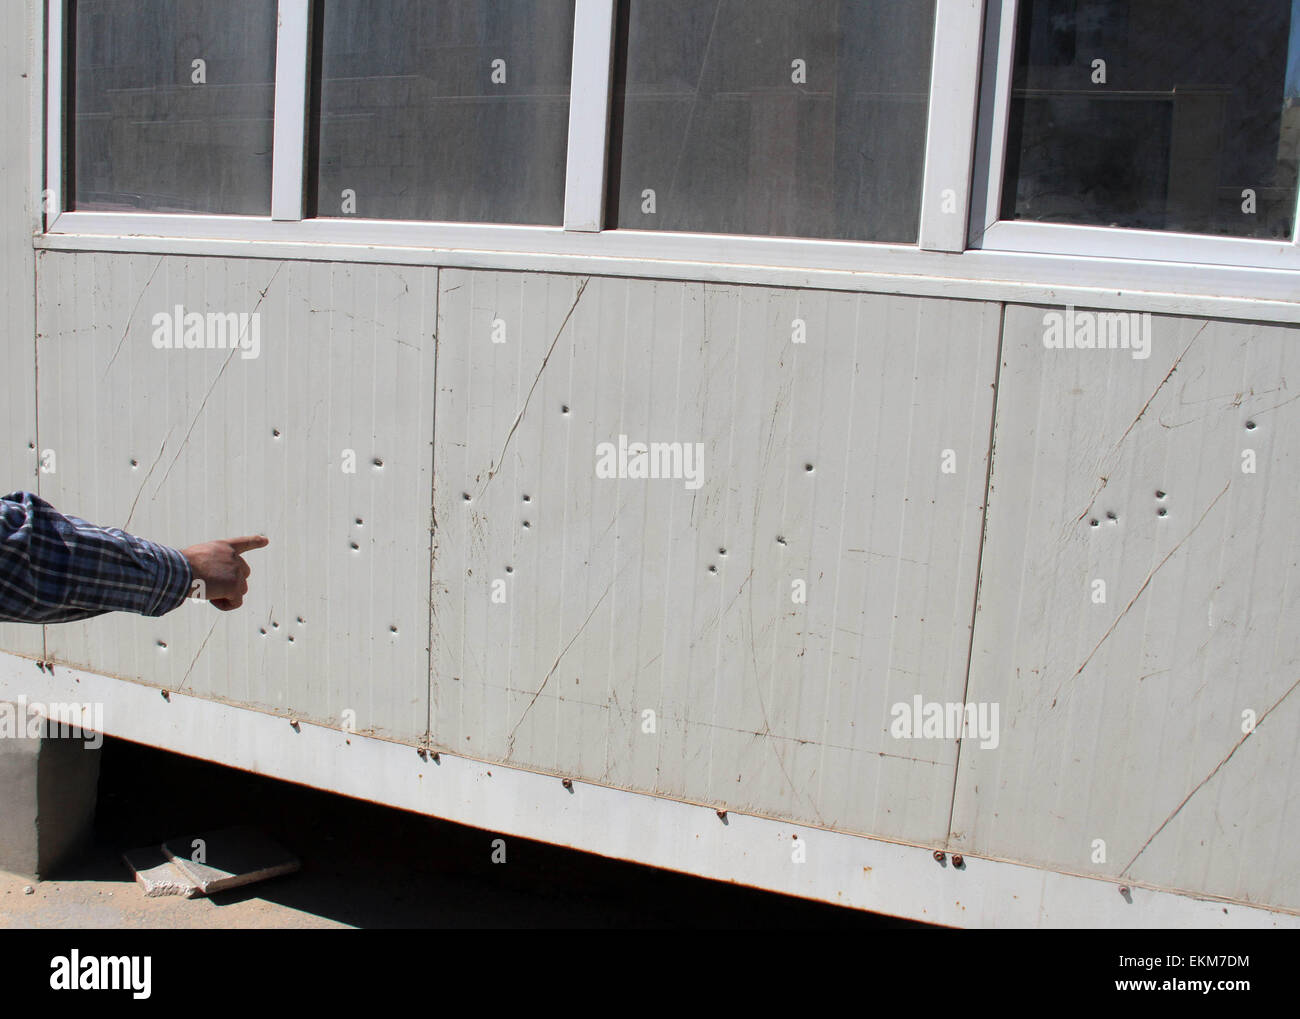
x=589, y=102
x=290, y=121
x=19, y=219
x=844, y=869
x=619, y=598
x=950, y=131
x=1125, y=283
x=1114, y=714
x=346, y=363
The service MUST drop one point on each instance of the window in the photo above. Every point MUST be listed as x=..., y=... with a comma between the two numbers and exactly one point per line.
x=1147, y=145
x=452, y=111
x=796, y=118
x=172, y=105
x=1156, y=114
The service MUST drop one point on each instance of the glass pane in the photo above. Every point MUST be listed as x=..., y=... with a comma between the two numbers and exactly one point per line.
x=795, y=118
x=1156, y=114
x=454, y=110
x=172, y=105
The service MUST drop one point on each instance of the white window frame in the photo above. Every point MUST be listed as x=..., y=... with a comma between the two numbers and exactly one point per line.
x=960, y=251
x=950, y=131
x=994, y=234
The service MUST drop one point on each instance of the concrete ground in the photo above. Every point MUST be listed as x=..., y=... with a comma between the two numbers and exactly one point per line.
x=365, y=866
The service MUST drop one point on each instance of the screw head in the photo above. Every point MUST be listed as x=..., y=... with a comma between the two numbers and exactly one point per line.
x=940, y=856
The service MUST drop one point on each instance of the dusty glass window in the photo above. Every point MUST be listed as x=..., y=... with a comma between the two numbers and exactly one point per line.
x=1156, y=114
x=171, y=105
x=453, y=110
x=794, y=118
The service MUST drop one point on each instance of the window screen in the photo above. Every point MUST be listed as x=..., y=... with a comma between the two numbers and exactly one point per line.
x=172, y=104
x=454, y=110
x=1156, y=114
x=795, y=118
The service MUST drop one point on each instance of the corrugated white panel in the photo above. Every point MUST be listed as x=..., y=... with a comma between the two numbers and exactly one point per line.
x=822, y=464
x=19, y=455
x=182, y=446
x=1123, y=720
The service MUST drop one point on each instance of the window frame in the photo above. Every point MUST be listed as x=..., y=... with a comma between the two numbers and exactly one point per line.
x=990, y=232
x=960, y=251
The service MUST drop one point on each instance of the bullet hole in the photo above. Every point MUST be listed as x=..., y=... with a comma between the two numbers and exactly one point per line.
x=359, y=521
x=166, y=696
x=291, y=639
x=1250, y=426
x=162, y=644
x=713, y=569
x=393, y=628
x=135, y=463
x=808, y=468
x=564, y=409
x=510, y=569
x=527, y=524
x=301, y=620
x=722, y=551
x=1094, y=523
x=1160, y=495
x=275, y=626
x=378, y=461
x=262, y=630
x=355, y=546
x=566, y=782
x=465, y=496
x=528, y=498
x=275, y=432
x=31, y=445
x=1162, y=512
x=1111, y=516
x=780, y=540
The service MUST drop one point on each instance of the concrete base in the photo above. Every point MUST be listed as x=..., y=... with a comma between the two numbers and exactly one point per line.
x=48, y=788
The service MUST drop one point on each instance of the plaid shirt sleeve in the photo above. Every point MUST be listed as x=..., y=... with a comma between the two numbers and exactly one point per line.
x=56, y=568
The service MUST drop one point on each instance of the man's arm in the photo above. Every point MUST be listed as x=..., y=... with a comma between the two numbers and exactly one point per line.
x=56, y=568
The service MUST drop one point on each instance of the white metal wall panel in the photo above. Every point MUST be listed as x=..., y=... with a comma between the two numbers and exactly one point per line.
x=182, y=446
x=618, y=595
x=1122, y=721
x=19, y=454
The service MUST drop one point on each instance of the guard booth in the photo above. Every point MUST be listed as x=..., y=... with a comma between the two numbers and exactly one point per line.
x=848, y=449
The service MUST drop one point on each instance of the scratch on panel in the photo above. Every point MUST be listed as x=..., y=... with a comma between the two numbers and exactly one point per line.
x=185, y=677
x=510, y=741
x=1133, y=601
x=127, y=525
x=492, y=469
x=1164, y=824
x=131, y=317
x=1179, y=360
x=225, y=364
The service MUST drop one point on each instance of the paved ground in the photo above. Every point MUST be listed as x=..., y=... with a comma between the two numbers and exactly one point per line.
x=366, y=866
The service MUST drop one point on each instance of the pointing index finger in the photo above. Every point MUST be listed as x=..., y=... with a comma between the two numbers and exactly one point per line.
x=247, y=544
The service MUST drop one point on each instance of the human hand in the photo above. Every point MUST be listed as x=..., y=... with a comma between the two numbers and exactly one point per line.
x=220, y=573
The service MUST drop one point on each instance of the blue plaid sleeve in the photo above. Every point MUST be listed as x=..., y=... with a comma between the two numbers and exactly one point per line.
x=56, y=568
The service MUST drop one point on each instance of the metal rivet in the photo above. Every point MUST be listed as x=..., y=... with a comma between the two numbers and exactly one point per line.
x=567, y=783
x=940, y=856
x=958, y=860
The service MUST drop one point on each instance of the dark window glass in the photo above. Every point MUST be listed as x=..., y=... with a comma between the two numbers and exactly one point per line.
x=796, y=118
x=1156, y=114
x=172, y=105
x=454, y=110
